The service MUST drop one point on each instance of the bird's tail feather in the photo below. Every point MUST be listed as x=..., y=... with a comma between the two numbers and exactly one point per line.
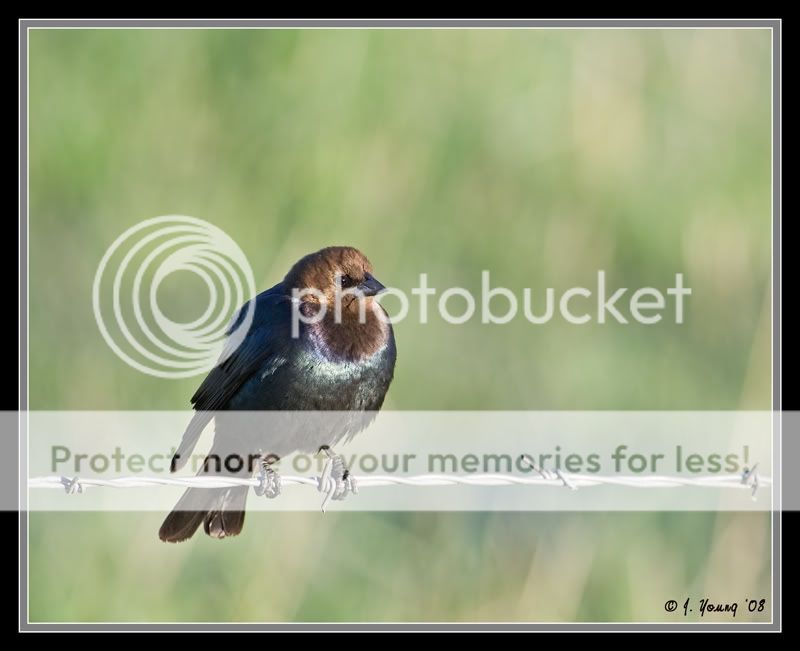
x=220, y=510
x=227, y=519
x=189, y=439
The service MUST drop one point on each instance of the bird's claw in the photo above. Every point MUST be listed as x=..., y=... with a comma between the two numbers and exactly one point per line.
x=336, y=480
x=269, y=482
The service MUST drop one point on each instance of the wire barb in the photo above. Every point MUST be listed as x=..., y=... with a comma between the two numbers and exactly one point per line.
x=71, y=486
x=750, y=478
x=547, y=474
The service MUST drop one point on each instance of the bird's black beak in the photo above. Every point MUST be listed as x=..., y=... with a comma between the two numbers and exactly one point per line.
x=370, y=286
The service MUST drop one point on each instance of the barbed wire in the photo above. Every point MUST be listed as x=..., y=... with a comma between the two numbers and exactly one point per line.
x=332, y=485
x=582, y=481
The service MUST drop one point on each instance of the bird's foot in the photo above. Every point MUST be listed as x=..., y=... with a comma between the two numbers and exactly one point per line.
x=336, y=480
x=269, y=481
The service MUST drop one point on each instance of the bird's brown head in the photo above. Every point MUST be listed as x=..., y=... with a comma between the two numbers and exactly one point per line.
x=331, y=271
x=341, y=275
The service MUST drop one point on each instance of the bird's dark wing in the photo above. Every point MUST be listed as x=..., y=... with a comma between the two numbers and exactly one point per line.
x=267, y=337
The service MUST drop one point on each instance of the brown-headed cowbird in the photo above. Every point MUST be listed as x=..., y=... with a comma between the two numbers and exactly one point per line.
x=341, y=362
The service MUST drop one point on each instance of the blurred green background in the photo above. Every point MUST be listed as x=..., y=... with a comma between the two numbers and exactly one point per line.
x=540, y=155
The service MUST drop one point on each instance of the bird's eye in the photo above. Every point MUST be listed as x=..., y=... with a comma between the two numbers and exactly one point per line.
x=345, y=281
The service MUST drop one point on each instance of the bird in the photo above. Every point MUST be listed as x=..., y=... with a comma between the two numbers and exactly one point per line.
x=322, y=373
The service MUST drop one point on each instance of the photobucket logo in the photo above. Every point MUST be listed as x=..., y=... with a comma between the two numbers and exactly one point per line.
x=500, y=305
x=126, y=286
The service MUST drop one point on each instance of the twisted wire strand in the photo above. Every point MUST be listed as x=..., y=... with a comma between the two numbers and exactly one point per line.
x=747, y=479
